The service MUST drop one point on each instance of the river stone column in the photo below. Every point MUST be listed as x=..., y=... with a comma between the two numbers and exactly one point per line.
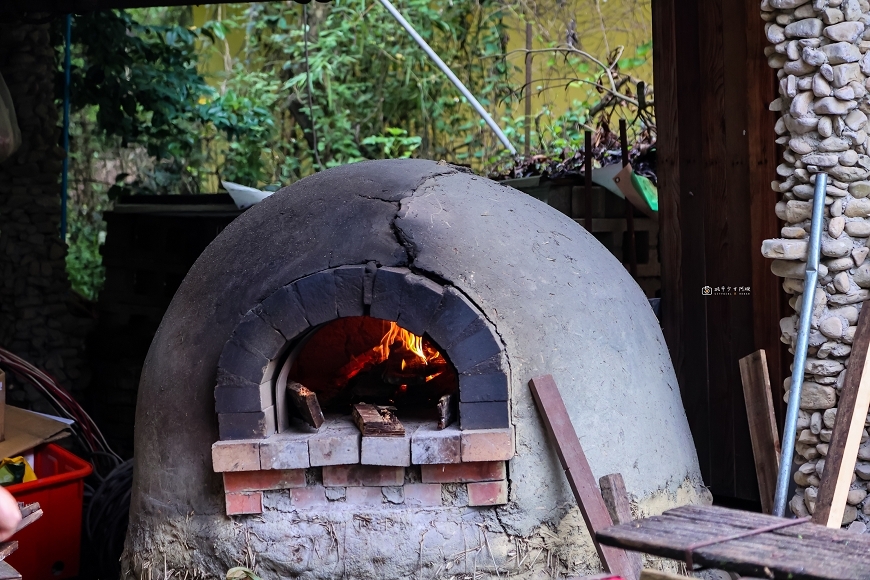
x=821, y=52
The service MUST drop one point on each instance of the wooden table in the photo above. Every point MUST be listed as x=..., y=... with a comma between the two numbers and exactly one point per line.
x=804, y=551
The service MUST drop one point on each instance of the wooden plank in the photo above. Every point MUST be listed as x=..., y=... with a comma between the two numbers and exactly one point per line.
x=801, y=552
x=377, y=421
x=29, y=519
x=762, y=425
x=6, y=548
x=848, y=428
x=616, y=499
x=446, y=411
x=306, y=404
x=7, y=572
x=577, y=470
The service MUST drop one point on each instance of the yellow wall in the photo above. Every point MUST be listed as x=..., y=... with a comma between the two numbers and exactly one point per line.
x=601, y=26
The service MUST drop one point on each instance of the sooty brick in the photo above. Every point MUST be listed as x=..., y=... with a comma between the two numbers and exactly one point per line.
x=247, y=425
x=243, y=399
x=488, y=415
x=420, y=300
x=475, y=349
x=454, y=314
x=483, y=388
x=237, y=360
x=283, y=311
x=349, y=284
x=317, y=295
x=255, y=334
x=387, y=293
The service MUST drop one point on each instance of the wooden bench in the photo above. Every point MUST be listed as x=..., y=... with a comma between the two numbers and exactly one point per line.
x=748, y=544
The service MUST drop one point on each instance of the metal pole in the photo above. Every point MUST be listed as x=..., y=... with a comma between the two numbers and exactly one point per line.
x=65, y=172
x=528, y=122
x=800, y=350
x=449, y=73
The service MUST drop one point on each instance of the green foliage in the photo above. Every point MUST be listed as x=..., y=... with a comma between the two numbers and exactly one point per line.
x=150, y=116
x=396, y=143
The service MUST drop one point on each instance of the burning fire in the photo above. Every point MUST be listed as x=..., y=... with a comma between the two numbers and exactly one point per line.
x=416, y=356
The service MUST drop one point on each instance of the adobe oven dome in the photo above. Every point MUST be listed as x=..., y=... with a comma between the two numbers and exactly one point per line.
x=553, y=298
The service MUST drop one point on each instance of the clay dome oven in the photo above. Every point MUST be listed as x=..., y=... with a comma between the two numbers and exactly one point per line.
x=418, y=287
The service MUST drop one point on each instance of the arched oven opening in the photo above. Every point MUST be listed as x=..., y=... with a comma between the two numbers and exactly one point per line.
x=365, y=360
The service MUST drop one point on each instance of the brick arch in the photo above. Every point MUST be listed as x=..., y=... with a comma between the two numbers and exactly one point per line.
x=253, y=356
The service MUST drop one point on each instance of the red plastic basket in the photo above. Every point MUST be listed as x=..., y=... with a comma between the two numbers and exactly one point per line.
x=48, y=549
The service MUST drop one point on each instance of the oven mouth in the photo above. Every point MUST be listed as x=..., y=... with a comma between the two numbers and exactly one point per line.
x=366, y=360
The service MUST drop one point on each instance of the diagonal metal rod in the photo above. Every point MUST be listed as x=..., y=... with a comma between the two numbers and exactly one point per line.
x=800, y=349
x=449, y=74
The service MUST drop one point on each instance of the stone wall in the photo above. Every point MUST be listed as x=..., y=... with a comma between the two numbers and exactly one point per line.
x=35, y=321
x=821, y=52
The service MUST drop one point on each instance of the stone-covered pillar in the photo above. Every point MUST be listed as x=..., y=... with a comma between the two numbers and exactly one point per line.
x=821, y=52
x=35, y=321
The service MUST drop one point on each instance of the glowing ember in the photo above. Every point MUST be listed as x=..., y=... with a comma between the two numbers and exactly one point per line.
x=415, y=356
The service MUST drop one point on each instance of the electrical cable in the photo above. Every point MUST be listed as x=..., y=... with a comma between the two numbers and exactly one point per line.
x=106, y=506
x=309, y=86
x=84, y=427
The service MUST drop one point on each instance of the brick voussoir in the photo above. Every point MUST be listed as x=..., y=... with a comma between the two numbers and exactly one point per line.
x=317, y=296
x=283, y=311
x=387, y=291
x=453, y=315
x=237, y=360
x=349, y=290
x=255, y=334
x=474, y=350
x=419, y=302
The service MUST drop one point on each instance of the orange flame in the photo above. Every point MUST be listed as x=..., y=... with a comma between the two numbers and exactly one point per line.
x=396, y=338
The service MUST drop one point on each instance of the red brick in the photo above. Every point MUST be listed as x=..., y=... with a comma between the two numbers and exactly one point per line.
x=244, y=503
x=386, y=451
x=308, y=497
x=488, y=493
x=430, y=445
x=263, y=480
x=235, y=456
x=423, y=494
x=463, y=472
x=487, y=445
x=362, y=475
x=364, y=496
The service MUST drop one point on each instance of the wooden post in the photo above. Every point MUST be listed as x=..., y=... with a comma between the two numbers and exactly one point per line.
x=578, y=472
x=848, y=428
x=616, y=499
x=762, y=424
